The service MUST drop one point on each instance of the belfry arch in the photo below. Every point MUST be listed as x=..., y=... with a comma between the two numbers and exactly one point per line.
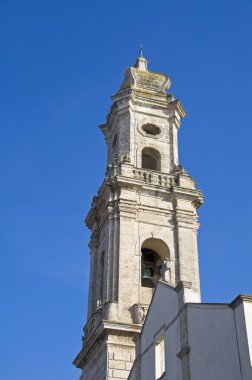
x=155, y=255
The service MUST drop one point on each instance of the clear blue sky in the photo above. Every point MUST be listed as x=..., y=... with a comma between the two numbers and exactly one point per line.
x=60, y=61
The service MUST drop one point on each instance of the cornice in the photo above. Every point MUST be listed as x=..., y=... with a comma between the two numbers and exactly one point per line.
x=240, y=299
x=104, y=328
x=195, y=196
x=176, y=106
x=138, y=180
x=121, y=326
x=138, y=99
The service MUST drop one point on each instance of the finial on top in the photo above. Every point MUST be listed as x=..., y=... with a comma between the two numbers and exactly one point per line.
x=141, y=62
x=140, y=53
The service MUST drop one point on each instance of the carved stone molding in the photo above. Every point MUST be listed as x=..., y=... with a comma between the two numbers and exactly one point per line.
x=91, y=325
x=152, y=177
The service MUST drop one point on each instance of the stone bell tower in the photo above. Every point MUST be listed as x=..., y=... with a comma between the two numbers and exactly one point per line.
x=143, y=222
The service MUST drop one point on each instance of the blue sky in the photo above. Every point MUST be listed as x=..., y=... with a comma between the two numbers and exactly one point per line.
x=60, y=61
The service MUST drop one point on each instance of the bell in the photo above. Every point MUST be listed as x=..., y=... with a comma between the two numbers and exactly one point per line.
x=147, y=273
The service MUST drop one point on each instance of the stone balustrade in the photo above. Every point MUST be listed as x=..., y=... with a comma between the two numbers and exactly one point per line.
x=152, y=177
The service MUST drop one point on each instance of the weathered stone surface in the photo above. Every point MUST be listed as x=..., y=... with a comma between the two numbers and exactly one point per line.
x=118, y=374
x=117, y=364
x=135, y=206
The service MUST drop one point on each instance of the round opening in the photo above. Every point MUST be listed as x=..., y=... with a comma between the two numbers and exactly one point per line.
x=151, y=129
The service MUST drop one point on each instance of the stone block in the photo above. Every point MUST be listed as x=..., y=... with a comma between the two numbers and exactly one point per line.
x=111, y=355
x=117, y=364
x=128, y=366
x=119, y=374
x=122, y=355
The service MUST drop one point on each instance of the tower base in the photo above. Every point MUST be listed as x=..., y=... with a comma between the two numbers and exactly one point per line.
x=109, y=352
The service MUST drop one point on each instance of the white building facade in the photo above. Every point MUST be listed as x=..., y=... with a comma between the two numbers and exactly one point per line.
x=198, y=341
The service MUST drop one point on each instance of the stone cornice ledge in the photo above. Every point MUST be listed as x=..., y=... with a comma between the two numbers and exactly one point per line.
x=101, y=329
x=176, y=106
x=120, y=326
x=240, y=299
x=123, y=180
x=184, y=193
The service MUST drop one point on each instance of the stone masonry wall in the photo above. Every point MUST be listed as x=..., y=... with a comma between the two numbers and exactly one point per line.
x=121, y=356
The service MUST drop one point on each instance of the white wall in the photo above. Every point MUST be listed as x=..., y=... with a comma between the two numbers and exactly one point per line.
x=243, y=319
x=248, y=321
x=218, y=336
x=161, y=321
x=212, y=341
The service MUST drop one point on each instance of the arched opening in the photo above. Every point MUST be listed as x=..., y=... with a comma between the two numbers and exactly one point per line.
x=154, y=253
x=151, y=159
x=151, y=267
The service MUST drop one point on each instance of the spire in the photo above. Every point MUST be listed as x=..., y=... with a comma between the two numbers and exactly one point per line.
x=140, y=54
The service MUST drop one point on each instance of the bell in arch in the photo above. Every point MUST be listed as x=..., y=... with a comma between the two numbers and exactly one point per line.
x=147, y=273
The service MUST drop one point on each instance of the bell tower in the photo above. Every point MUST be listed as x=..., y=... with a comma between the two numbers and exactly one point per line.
x=143, y=222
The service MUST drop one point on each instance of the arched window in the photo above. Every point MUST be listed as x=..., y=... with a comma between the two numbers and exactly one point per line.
x=151, y=159
x=154, y=253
